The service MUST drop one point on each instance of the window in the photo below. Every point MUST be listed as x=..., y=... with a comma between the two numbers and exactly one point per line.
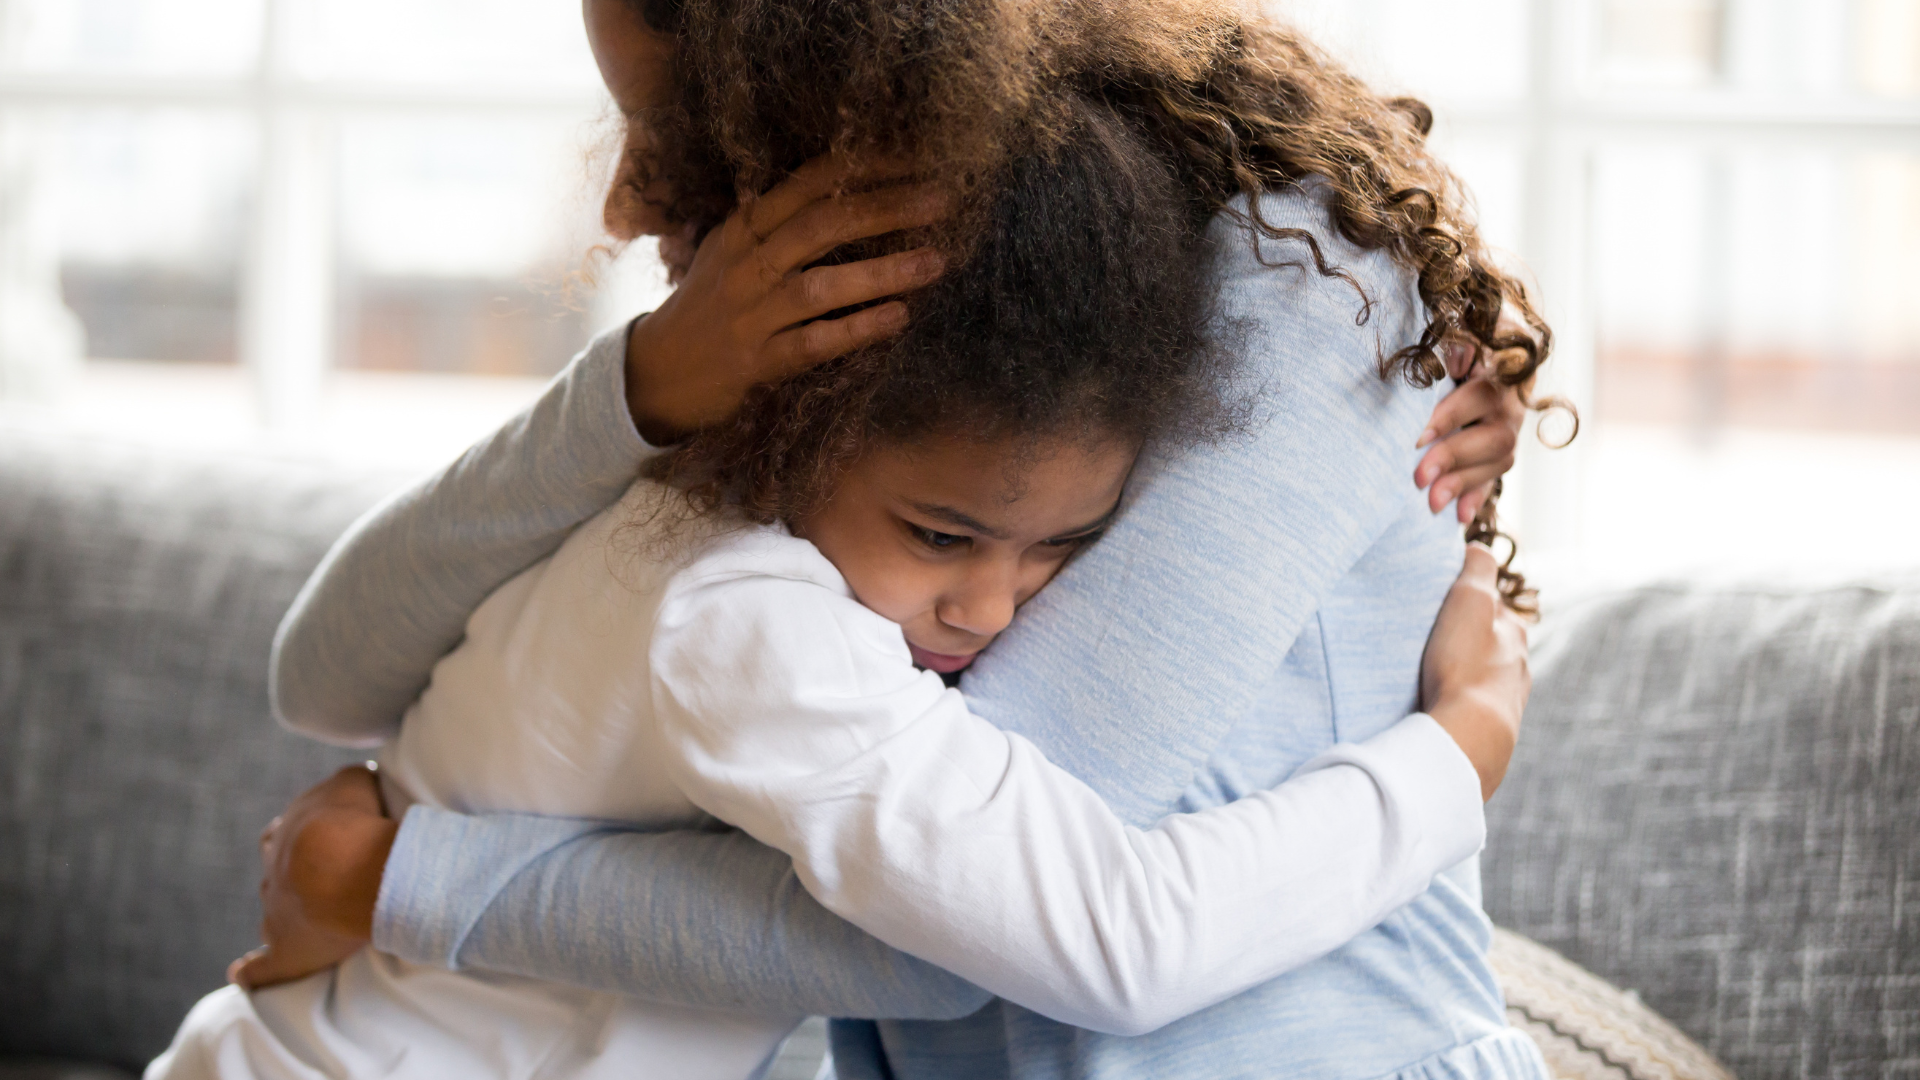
x=244, y=209
x=285, y=216
x=1720, y=200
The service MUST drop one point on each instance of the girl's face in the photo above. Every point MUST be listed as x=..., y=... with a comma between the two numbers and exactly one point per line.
x=947, y=537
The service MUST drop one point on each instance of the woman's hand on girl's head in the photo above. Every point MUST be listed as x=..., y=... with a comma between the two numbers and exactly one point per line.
x=1474, y=678
x=321, y=864
x=749, y=308
x=1475, y=430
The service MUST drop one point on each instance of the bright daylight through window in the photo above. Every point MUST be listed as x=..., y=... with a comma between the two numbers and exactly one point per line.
x=276, y=222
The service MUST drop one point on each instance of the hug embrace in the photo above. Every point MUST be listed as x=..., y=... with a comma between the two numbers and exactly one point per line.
x=992, y=602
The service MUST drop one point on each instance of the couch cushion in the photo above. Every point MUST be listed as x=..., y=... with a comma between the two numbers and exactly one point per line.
x=138, y=598
x=1715, y=804
x=1586, y=1028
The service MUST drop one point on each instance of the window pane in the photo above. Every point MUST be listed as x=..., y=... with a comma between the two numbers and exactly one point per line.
x=1759, y=288
x=1661, y=42
x=1463, y=50
x=174, y=37
x=152, y=222
x=1887, y=47
x=516, y=42
x=463, y=242
x=1777, y=47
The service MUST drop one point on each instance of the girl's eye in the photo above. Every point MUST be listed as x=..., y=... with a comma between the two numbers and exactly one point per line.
x=938, y=541
x=1075, y=541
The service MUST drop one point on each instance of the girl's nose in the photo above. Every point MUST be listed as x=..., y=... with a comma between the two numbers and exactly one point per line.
x=983, y=604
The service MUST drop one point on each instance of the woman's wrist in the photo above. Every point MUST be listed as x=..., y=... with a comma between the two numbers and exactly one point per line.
x=657, y=415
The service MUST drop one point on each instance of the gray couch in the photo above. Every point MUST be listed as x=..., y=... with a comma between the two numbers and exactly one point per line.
x=1717, y=803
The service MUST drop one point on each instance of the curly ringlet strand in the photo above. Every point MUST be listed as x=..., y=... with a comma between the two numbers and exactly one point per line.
x=1248, y=106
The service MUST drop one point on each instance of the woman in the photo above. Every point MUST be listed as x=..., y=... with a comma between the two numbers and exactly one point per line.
x=1300, y=623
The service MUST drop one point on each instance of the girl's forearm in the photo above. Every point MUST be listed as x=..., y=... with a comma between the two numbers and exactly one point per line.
x=394, y=594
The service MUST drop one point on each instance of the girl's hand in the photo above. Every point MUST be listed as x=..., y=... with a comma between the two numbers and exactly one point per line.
x=321, y=866
x=742, y=314
x=1474, y=431
x=1474, y=679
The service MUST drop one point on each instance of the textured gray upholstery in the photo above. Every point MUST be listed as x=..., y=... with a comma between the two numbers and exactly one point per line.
x=138, y=598
x=1717, y=803
x=28, y=1069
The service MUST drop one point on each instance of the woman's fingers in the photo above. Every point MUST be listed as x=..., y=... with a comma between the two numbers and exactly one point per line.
x=741, y=314
x=1481, y=444
x=817, y=342
x=815, y=292
x=1478, y=430
x=1449, y=487
x=1470, y=503
x=819, y=178
x=830, y=222
x=816, y=179
x=1469, y=403
x=1462, y=460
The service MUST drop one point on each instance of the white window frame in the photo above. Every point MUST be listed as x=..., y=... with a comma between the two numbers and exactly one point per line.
x=287, y=295
x=287, y=292
x=1560, y=126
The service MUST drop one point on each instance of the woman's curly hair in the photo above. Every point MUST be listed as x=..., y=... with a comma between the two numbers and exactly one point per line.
x=1244, y=106
x=1083, y=313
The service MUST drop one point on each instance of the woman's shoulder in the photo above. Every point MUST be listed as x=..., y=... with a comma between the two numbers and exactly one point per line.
x=1301, y=209
x=1273, y=286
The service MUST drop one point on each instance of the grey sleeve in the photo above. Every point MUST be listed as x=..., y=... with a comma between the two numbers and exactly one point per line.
x=393, y=595
x=689, y=917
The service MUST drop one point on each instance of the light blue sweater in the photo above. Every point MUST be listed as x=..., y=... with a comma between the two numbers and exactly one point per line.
x=1253, y=604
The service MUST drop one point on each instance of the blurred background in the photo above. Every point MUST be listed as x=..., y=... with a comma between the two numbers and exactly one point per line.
x=365, y=229
x=358, y=228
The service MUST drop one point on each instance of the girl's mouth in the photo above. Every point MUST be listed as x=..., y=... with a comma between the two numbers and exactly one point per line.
x=939, y=662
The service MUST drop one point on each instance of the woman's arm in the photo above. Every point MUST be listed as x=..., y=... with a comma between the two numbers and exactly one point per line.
x=393, y=595
x=758, y=940
x=761, y=943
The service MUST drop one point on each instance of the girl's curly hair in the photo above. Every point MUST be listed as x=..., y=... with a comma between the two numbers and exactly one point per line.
x=964, y=86
x=1082, y=313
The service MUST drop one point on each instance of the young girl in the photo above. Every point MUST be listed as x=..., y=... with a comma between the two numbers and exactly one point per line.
x=760, y=635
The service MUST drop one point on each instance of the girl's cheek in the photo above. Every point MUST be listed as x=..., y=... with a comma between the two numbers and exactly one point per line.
x=890, y=585
x=1038, y=577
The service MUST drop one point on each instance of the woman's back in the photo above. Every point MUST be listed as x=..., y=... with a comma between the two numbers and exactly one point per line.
x=1416, y=990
